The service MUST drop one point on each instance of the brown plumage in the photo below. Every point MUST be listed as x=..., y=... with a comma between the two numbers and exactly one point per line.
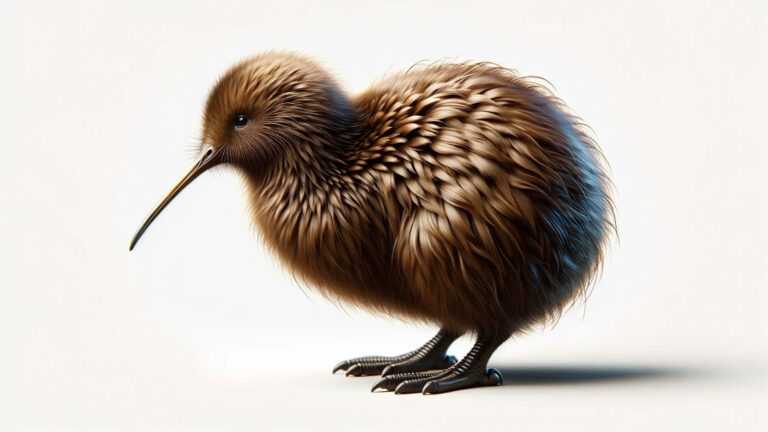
x=457, y=194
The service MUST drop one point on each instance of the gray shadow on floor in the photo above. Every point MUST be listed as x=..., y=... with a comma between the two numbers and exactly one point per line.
x=560, y=375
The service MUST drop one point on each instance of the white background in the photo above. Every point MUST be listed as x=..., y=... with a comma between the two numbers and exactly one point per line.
x=199, y=329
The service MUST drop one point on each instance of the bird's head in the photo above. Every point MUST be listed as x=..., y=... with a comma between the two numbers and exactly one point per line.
x=264, y=109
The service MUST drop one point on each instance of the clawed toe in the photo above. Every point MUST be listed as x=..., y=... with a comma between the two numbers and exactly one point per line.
x=456, y=381
x=344, y=365
x=361, y=367
x=419, y=365
x=430, y=356
x=389, y=366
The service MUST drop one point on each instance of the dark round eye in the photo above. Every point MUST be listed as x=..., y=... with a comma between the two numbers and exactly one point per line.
x=241, y=120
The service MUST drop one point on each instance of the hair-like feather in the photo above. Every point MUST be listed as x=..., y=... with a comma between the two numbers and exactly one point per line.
x=458, y=194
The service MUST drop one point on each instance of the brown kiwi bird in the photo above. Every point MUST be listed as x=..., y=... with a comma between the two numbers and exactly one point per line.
x=460, y=195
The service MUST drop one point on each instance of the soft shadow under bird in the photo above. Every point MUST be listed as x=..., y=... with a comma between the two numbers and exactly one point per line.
x=461, y=195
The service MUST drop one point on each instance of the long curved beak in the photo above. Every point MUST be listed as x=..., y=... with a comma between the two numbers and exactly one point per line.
x=208, y=158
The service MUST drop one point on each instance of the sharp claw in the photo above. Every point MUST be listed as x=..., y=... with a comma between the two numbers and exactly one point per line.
x=355, y=370
x=341, y=366
x=429, y=388
x=387, y=370
x=407, y=387
x=380, y=384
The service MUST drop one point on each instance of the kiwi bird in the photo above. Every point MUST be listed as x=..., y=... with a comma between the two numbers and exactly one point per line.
x=461, y=195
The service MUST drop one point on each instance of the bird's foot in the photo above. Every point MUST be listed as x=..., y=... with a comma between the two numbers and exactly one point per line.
x=453, y=378
x=471, y=371
x=431, y=356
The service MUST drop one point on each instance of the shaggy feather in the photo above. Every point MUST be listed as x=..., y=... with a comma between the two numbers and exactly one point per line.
x=458, y=194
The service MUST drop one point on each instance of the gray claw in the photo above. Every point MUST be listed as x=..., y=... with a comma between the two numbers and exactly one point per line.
x=355, y=370
x=341, y=366
x=429, y=388
x=382, y=383
x=387, y=370
x=406, y=387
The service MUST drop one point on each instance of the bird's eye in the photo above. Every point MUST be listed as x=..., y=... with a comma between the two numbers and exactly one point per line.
x=241, y=120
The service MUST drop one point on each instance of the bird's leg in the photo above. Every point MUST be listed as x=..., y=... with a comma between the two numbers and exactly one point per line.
x=430, y=356
x=469, y=372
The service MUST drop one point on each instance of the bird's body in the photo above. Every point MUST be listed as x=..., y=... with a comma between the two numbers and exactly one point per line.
x=466, y=198
x=456, y=194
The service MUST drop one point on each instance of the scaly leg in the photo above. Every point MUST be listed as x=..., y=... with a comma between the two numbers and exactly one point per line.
x=430, y=356
x=469, y=372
